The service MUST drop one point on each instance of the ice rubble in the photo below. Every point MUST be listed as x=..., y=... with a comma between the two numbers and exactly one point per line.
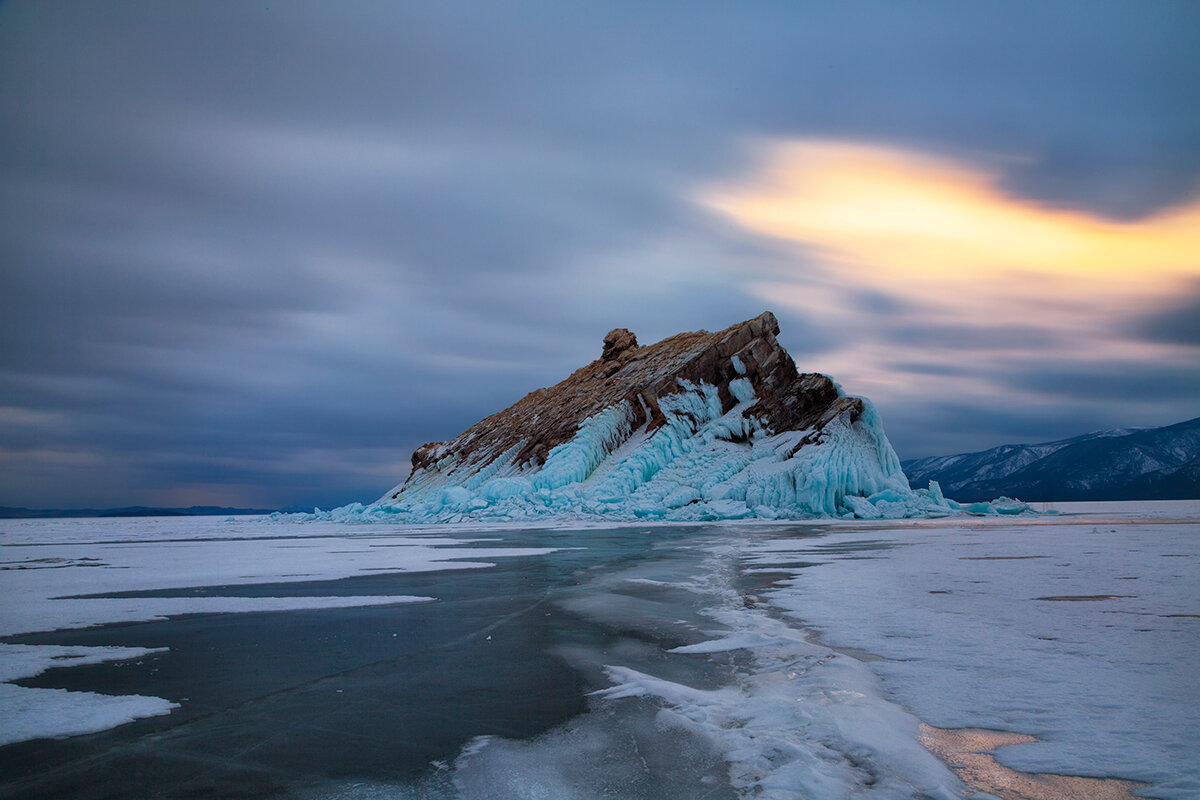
x=700, y=465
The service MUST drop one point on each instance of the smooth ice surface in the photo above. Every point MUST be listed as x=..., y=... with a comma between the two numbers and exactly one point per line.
x=52, y=571
x=700, y=465
x=781, y=660
x=747, y=708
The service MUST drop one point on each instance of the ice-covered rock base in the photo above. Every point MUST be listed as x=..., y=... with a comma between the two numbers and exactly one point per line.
x=701, y=465
x=700, y=426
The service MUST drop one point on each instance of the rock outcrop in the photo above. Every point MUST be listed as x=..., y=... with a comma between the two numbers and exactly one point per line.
x=640, y=377
x=698, y=426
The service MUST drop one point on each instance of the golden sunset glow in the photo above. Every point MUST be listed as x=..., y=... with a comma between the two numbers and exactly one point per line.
x=896, y=216
x=956, y=260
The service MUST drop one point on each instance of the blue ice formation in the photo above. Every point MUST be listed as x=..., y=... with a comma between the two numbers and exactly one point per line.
x=701, y=464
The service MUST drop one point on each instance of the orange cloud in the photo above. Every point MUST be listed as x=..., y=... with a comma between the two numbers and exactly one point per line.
x=943, y=237
x=905, y=220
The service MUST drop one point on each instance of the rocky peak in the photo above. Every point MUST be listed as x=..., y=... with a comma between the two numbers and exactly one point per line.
x=641, y=377
x=699, y=426
x=618, y=341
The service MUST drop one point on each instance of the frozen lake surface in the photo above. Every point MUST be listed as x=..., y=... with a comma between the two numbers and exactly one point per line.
x=205, y=657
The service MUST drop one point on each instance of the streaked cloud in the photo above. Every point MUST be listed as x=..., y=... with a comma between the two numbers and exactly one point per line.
x=983, y=283
x=269, y=249
x=932, y=228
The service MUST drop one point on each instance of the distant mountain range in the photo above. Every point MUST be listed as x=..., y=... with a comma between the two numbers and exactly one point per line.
x=8, y=512
x=1123, y=464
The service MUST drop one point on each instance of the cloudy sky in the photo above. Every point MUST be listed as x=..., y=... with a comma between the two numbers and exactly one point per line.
x=254, y=254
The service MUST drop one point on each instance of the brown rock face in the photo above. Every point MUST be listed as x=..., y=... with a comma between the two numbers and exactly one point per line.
x=616, y=342
x=642, y=376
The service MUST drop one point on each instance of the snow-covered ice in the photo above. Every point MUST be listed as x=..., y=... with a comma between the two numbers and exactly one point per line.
x=35, y=713
x=1081, y=632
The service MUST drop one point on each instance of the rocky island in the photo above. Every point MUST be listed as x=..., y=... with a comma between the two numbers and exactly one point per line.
x=698, y=426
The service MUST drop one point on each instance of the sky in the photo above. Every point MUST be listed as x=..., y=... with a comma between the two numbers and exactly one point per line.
x=254, y=254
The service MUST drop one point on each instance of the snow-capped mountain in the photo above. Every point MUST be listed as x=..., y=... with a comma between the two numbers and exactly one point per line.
x=1122, y=464
x=698, y=426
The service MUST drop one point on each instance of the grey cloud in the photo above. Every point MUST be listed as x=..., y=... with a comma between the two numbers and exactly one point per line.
x=942, y=336
x=943, y=426
x=1179, y=323
x=1114, y=381
x=932, y=368
x=880, y=303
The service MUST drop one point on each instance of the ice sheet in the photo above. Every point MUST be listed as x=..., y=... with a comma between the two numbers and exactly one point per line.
x=41, y=578
x=34, y=713
x=47, y=566
x=716, y=672
x=935, y=620
x=27, y=660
